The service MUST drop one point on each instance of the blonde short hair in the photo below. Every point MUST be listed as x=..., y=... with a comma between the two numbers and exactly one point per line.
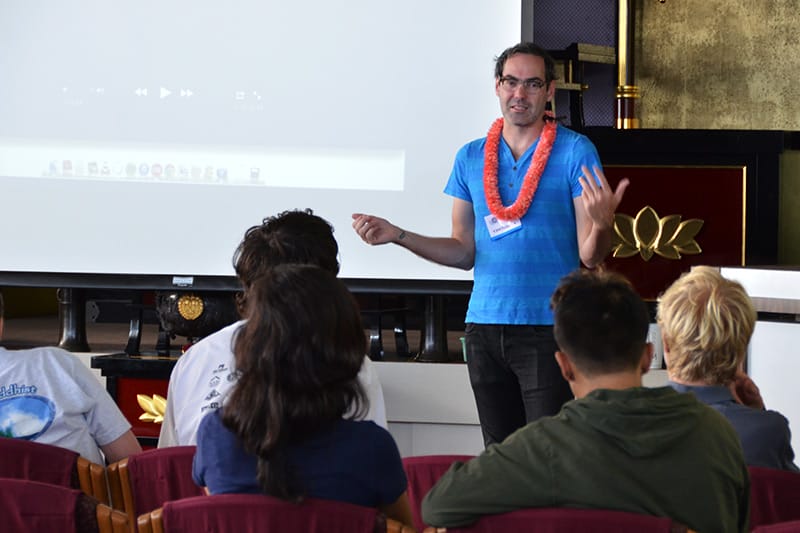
x=706, y=321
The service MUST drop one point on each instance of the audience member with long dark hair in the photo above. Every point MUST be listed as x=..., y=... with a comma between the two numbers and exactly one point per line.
x=283, y=431
x=205, y=375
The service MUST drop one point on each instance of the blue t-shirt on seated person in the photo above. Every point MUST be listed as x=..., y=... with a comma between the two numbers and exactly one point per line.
x=355, y=461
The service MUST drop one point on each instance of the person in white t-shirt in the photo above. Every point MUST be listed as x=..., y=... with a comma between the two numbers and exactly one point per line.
x=48, y=395
x=204, y=376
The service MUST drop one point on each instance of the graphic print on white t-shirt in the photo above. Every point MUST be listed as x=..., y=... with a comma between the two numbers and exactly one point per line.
x=220, y=383
x=23, y=413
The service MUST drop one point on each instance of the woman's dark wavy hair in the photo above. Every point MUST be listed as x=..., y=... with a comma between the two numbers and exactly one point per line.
x=297, y=236
x=298, y=355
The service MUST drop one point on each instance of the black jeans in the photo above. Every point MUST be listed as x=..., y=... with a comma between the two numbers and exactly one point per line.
x=514, y=376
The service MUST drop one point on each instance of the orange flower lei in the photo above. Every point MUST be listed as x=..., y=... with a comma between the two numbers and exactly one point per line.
x=531, y=182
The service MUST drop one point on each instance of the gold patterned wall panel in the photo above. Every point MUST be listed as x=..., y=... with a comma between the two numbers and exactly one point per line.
x=718, y=64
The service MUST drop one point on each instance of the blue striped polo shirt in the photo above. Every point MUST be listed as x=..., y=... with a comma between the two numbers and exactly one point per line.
x=516, y=274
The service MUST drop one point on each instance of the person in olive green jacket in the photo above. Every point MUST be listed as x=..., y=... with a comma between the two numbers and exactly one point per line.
x=617, y=445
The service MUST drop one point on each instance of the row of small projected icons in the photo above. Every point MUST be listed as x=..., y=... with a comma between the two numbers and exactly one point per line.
x=149, y=171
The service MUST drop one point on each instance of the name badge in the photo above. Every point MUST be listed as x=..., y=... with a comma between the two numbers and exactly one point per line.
x=500, y=228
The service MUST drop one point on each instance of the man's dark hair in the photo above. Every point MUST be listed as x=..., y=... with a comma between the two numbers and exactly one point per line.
x=2, y=309
x=297, y=236
x=600, y=321
x=529, y=49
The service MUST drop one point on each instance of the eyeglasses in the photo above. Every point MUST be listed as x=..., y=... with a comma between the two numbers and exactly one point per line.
x=531, y=85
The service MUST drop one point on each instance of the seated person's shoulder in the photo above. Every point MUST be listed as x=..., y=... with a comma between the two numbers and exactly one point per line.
x=211, y=429
x=684, y=413
x=365, y=435
x=45, y=352
x=211, y=352
x=367, y=370
x=713, y=427
x=362, y=428
x=763, y=418
x=219, y=341
x=50, y=360
x=760, y=428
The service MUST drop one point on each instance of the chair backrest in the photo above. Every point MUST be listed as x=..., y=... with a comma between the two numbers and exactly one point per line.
x=780, y=527
x=246, y=513
x=568, y=520
x=147, y=480
x=774, y=496
x=32, y=506
x=423, y=472
x=22, y=459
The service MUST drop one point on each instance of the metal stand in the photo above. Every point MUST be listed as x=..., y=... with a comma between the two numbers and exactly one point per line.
x=433, y=340
x=72, y=320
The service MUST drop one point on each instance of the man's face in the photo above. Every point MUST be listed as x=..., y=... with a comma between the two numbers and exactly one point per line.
x=524, y=104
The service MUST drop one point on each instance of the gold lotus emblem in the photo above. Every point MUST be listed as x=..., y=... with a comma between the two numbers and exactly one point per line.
x=648, y=234
x=154, y=407
x=190, y=307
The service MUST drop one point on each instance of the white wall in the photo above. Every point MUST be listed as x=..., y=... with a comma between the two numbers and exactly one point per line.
x=774, y=364
x=430, y=408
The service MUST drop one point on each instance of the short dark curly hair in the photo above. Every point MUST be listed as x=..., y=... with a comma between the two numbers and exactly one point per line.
x=297, y=236
x=600, y=321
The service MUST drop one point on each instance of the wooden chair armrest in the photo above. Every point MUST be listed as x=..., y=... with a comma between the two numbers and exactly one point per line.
x=121, y=489
x=84, y=478
x=92, y=479
x=151, y=522
x=99, y=483
x=111, y=520
x=395, y=526
x=115, y=486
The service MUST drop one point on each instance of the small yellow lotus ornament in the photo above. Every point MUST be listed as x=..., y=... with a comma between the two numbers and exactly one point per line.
x=154, y=407
x=648, y=234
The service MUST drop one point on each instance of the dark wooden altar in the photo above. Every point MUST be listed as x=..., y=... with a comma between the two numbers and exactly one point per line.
x=729, y=180
x=127, y=377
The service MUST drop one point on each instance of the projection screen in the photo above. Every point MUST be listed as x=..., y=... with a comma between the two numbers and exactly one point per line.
x=139, y=139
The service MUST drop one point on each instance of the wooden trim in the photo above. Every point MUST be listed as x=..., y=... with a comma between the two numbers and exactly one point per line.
x=127, y=494
x=151, y=522
x=111, y=520
x=395, y=526
x=115, y=486
x=92, y=479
